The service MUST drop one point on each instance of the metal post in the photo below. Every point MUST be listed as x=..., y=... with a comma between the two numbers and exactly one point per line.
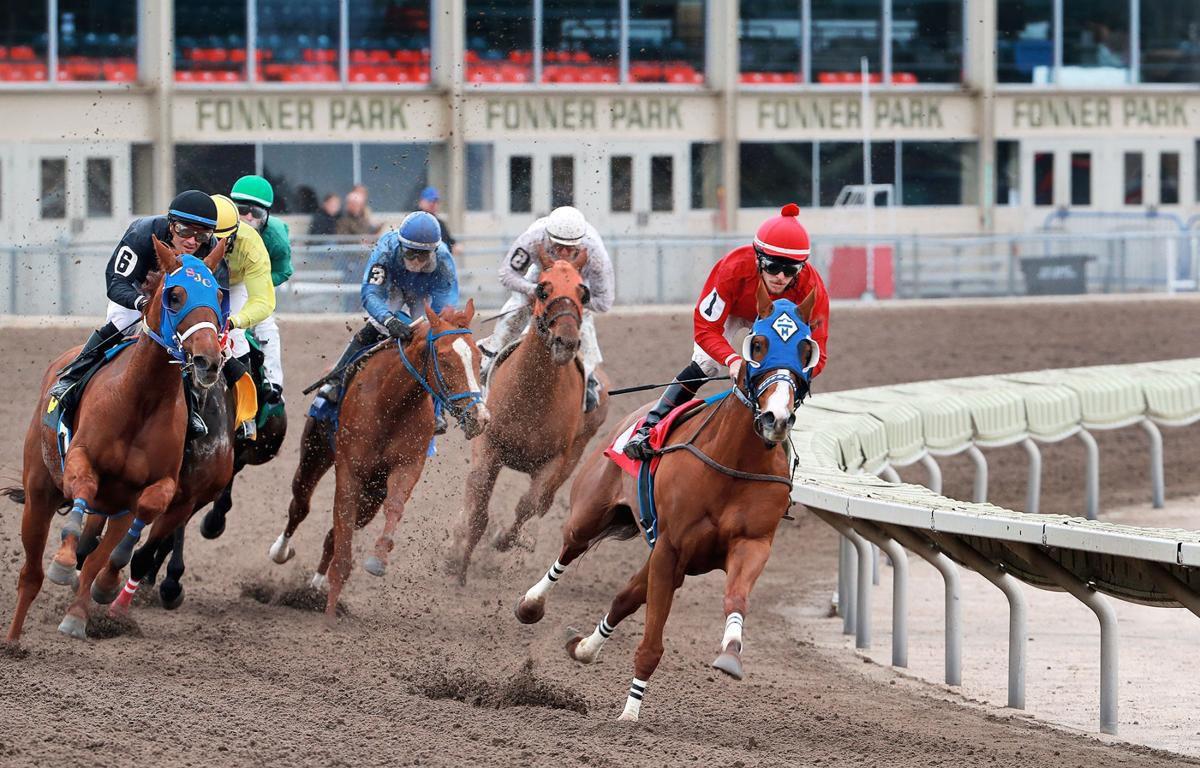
x=52, y=42
x=623, y=43
x=1092, y=480
x=537, y=41
x=890, y=474
x=842, y=578
x=935, y=473
x=1033, y=487
x=899, y=588
x=945, y=566
x=1157, y=490
x=862, y=607
x=979, y=494
x=848, y=608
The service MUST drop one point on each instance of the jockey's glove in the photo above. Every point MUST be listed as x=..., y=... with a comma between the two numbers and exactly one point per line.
x=140, y=302
x=399, y=329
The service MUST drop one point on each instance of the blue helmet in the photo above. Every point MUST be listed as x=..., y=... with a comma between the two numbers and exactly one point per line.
x=420, y=231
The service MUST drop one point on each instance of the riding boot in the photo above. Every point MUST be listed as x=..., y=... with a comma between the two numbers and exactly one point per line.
x=367, y=337
x=101, y=340
x=591, y=397
x=196, y=426
x=638, y=446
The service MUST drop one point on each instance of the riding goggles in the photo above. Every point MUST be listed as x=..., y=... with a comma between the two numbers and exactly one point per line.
x=256, y=212
x=415, y=254
x=184, y=231
x=773, y=266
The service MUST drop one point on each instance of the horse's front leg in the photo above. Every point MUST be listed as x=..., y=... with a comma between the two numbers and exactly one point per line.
x=74, y=623
x=151, y=503
x=145, y=560
x=212, y=525
x=346, y=501
x=664, y=577
x=481, y=480
x=537, y=500
x=400, y=483
x=40, y=501
x=316, y=457
x=586, y=649
x=79, y=536
x=171, y=590
x=744, y=563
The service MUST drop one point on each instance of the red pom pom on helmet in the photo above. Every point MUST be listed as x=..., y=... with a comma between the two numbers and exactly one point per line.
x=783, y=236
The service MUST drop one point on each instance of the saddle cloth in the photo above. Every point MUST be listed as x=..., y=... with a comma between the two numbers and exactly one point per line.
x=60, y=414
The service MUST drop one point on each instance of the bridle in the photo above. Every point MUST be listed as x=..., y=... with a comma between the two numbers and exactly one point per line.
x=544, y=321
x=443, y=398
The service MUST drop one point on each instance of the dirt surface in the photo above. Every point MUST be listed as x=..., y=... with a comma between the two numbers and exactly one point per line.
x=420, y=671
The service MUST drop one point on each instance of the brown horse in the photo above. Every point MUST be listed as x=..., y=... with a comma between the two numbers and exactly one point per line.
x=127, y=448
x=722, y=487
x=381, y=441
x=538, y=425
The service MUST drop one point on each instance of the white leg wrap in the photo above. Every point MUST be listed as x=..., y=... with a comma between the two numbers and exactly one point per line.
x=319, y=581
x=589, y=647
x=733, y=631
x=633, y=705
x=542, y=588
x=280, y=548
x=267, y=333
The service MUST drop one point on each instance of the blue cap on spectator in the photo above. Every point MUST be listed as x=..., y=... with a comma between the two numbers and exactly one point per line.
x=430, y=194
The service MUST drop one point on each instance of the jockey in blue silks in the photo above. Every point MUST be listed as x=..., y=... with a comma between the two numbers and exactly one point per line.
x=408, y=266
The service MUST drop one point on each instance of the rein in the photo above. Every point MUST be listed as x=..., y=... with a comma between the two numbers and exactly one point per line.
x=545, y=320
x=442, y=398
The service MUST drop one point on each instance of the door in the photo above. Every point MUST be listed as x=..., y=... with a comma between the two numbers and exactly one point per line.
x=75, y=192
x=1108, y=174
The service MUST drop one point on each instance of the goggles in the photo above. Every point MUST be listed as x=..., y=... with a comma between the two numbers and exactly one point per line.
x=256, y=212
x=185, y=231
x=414, y=254
x=779, y=267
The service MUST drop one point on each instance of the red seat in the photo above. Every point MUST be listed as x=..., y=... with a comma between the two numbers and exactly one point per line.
x=3, y=52
x=904, y=78
x=120, y=70
x=230, y=76
x=581, y=57
x=22, y=53
x=408, y=57
x=184, y=76
x=380, y=57
x=471, y=57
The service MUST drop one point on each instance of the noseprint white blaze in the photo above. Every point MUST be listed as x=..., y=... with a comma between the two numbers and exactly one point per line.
x=779, y=403
x=463, y=349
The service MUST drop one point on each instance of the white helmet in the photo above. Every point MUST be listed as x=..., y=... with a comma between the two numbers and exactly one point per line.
x=566, y=226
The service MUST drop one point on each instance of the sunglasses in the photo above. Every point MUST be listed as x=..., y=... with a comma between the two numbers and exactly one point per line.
x=187, y=231
x=253, y=211
x=412, y=254
x=772, y=267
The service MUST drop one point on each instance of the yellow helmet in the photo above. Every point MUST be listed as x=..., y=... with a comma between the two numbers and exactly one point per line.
x=227, y=217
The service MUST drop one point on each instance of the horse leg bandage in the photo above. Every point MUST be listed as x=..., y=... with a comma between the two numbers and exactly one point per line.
x=542, y=588
x=589, y=647
x=733, y=632
x=633, y=705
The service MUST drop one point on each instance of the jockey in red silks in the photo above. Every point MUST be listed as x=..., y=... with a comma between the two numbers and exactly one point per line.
x=728, y=304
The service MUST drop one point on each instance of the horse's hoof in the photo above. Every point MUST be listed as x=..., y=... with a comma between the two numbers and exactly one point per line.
x=319, y=581
x=213, y=525
x=118, y=609
x=282, y=550
x=502, y=542
x=63, y=575
x=374, y=566
x=73, y=626
x=574, y=638
x=730, y=664
x=628, y=717
x=530, y=611
x=171, y=594
x=104, y=596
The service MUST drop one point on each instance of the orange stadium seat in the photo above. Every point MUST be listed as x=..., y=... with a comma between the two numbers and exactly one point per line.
x=21, y=53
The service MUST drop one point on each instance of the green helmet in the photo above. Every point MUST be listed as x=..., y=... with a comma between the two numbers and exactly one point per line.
x=253, y=189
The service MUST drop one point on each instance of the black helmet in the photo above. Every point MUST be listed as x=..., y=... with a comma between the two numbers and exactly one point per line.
x=194, y=207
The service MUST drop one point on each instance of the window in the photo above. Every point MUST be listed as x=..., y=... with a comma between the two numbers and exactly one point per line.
x=1196, y=175
x=481, y=159
x=842, y=165
x=1043, y=178
x=499, y=41
x=770, y=39
x=394, y=173
x=97, y=40
x=302, y=174
x=54, y=188
x=706, y=175
x=579, y=36
x=927, y=41
x=520, y=184
x=24, y=28
x=775, y=172
x=939, y=173
x=212, y=166
x=1024, y=41
x=843, y=31
x=1081, y=178
x=389, y=40
x=1133, y=178
x=99, y=187
x=141, y=181
x=1008, y=173
x=662, y=183
x=1095, y=43
x=562, y=181
x=666, y=41
x=297, y=41
x=1170, y=41
x=210, y=43
x=620, y=183
x=1168, y=178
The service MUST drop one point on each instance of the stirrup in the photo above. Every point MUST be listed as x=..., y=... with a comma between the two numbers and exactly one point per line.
x=196, y=425
x=637, y=447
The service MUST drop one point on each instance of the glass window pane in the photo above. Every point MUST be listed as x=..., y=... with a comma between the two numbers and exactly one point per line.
x=1008, y=173
x=842, y=165
x=395, y=174
x=706, y=175
x=1043, y=178
x=1168, y=178
x=773, y=173
x=210, y=42
x=54, y=188
x=927, y=41
x=141, y=181
x=662, y=183
x=1024, y=41
x=1095, y=43
x=481, y=159
x=620, y=181
x=1133, y=178
x=303, y=174
x=212, y=166
x=389, y=41
x=97, y=40
x=770, y=39
x=562, y=181
x=24, y=29
x=1081, y=178
x=666, y=41
x=843, y=31
x=1196, y=175
x=298, y=41
x=939, y=173
x=1170, y=41
x=580, y=40
x=499, y=41
x=520, y=184
x=99, y=187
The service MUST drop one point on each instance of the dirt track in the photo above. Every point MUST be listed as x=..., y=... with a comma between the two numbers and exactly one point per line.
x=229, y=680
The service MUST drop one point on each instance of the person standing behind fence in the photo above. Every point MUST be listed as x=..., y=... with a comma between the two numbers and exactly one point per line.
x=429, y=202
x=355, y=218
x=324, y=221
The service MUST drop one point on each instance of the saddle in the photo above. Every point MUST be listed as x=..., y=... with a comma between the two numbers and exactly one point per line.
x=322, y=410
x=60, y=414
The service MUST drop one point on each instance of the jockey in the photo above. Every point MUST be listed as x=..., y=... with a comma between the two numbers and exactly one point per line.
x=254, y=197
x=728, y=304
x=246, y=274
x=186, y=228
x=561, y=235
x=407, y=267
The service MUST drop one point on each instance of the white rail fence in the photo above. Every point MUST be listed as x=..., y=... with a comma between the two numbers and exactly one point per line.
x=848, y=444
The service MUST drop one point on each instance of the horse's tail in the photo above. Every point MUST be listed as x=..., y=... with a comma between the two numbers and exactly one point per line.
x=15, y=493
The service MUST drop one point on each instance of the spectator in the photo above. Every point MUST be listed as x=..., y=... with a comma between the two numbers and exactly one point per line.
x=324, y=221
x=430, y=199
x=355, y=218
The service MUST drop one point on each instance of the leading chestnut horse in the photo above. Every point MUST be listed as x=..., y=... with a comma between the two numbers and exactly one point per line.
x=127, y=447
x=538, y=425
x=722, y=488
x=381, y=440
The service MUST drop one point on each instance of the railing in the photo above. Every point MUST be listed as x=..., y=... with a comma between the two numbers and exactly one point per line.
x=67, y=279
x=845, y=439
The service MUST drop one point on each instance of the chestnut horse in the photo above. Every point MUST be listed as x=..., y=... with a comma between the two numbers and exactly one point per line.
x=722, y=487
x=128, y=442
x=381, y=441
x=538, y=425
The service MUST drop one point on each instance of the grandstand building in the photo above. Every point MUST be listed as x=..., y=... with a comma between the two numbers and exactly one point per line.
x=657, y=117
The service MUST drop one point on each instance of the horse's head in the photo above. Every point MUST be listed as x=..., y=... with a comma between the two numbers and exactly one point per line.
x=184, y=310
x=780, y=355
x=455, y=362
x=558, y=304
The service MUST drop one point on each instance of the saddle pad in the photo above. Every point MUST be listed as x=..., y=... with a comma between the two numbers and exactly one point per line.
x=658, y=436
x=247, y=398
x=60, y=415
